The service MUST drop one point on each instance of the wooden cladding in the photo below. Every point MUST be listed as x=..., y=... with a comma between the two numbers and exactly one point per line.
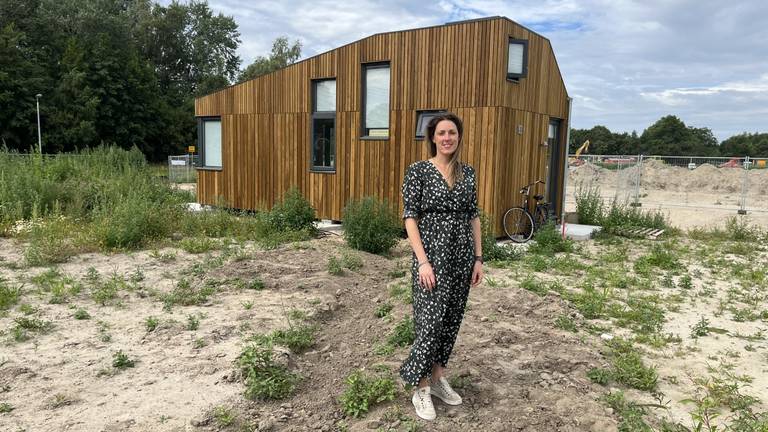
x=266, y=122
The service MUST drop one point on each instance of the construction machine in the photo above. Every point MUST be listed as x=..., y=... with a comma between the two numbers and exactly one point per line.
x=575, y=161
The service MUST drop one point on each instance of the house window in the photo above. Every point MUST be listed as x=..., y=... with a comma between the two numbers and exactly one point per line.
x=209, y=141
x=422, y=120
x=517, y=60
x=376, y=100
x=324, y=125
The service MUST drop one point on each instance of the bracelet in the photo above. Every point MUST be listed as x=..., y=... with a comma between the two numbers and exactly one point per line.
x=422, y=263
x=479, y=258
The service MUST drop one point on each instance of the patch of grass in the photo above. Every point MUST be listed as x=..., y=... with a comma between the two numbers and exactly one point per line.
x=403, y=334
x=193, y=322
x=363, y=392
x=81, y=314
x=383, y=310
x=28, y=309
x=334, y=266
x=198, y=245
x=628, y=367
x=564, y=322
x=185, y=294
x=264, y=378
x=630, y=413
x=151, y=323
x=351, y=260
x=401, y=292
x=26, y=325
x=163, y=257
x=224, y=416
x=103, y=292
x=599, y=376
x=641, y=314
x=701, y=328
x=5, y=407
x=59, y=286
x=247, y=305
x=9, y=295
x=120, y=360
x=590, y=302
x=549, y=241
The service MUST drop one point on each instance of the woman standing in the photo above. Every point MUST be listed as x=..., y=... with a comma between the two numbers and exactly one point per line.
x=441, y=219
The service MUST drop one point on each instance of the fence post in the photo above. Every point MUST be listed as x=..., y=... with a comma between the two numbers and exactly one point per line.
x=744, y=188
x=639, y=172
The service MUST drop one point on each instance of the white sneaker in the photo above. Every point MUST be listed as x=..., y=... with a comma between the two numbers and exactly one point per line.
x=422, y=401
x=444, y=392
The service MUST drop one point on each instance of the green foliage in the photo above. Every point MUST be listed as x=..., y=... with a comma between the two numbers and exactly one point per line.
x=630, y=413
x=701, y=328
x=564, y=322
x=193, y=322
x=264, y=378
x=383, y=310
x=26, y=325
x=9, y=295
x=81, y=314
x=185, y=294
x=282, y=55
x=5, y=407
x=628, y=367
x=599, y=375
x=371, y=225
x=589, y=205
x=198, y=245
x=292, y=213
x=549, y=241
x=403, y=334
x=363, y=392
x=334, y=266
x=120, y=360
x=151, y=323
x=298, y=339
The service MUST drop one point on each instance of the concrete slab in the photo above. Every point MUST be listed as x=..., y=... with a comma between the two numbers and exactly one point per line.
x=579, y=232
x=330, y=226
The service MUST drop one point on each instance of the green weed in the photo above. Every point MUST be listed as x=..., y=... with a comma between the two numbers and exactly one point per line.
x=151, y=323
x=363, y=392
x=564, y=322
x=9, y=295
x=264, y=379
x=193, y=322
x=224, y=416
x=383, y=310
x=371, y=225
x=120, y=361
x=198, y=245
x=81, y=314
x=403, y=333
x=334, y=266
x=185, y=294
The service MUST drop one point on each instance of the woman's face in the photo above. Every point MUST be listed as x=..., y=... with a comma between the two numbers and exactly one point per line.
x=446, y=137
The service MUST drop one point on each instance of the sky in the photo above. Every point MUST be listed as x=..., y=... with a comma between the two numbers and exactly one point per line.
x=625, y=63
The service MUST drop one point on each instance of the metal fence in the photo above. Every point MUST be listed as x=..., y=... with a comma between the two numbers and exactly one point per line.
x=736, y=184
x=181, y=169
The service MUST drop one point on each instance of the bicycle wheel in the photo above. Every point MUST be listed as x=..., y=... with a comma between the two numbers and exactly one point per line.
x=518, y=225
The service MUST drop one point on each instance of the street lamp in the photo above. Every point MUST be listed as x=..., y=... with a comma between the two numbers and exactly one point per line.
x=39, y=139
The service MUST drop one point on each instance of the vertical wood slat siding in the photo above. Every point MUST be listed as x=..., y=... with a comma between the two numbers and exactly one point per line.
x=462, y=68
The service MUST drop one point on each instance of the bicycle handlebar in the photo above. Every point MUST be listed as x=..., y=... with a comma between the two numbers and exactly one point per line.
x=526, y=189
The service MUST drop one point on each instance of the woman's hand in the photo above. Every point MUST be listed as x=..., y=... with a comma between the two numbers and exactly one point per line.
x=427, y=276
x=477, y=273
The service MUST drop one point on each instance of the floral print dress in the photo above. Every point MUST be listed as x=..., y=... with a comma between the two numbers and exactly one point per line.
x=443, y=214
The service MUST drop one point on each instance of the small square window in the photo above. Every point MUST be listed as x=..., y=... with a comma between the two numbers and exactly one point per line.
x=422, y=120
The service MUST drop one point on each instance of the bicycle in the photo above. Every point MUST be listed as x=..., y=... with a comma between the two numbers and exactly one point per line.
x=520, y=223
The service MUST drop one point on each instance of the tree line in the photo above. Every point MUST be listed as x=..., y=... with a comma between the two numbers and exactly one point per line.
x=121, y=72
x=669, y=136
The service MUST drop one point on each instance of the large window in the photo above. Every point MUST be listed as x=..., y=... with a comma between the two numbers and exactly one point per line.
x=324, y=125
x=209, y=141
x=517, y=60
x=376, y=100
x=422, y=119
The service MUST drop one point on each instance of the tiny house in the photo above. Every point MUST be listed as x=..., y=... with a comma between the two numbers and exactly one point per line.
x=346, y=123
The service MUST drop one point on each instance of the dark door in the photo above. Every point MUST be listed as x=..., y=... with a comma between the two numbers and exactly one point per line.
x=554, y=182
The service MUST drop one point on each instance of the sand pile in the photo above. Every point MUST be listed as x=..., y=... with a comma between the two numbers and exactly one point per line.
x=658, y=175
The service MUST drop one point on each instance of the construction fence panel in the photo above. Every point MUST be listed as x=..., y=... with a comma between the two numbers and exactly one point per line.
x=181, y=169
x=736, y=185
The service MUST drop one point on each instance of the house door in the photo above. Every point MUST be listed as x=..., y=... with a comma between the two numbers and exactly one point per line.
x=553, y=161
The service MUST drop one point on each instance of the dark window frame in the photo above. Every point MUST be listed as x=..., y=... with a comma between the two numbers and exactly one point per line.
x=515, y=77
x=320, y=115
x=419, y=114
x=201, y=143
x=364, y=86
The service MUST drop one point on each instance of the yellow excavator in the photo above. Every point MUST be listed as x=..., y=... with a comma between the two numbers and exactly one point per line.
x=575, y=161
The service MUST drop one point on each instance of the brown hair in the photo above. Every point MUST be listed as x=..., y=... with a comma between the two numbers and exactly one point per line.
x=454, y=166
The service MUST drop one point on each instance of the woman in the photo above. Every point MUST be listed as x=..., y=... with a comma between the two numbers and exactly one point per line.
x=441, y=219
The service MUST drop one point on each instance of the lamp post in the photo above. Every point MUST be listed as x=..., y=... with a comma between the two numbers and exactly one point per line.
x=39, y=139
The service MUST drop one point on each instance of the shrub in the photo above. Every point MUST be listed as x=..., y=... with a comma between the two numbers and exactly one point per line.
x=589, y=205
x=371, y=225
x=9, y=295
x=404, y=334
x=120, y=360
x=363, y=392
x=550, y=241
x=264, y=378
x=491, y=250
x=292, y=213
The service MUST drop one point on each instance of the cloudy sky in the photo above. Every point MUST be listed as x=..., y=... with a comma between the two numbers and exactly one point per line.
x=625, y=63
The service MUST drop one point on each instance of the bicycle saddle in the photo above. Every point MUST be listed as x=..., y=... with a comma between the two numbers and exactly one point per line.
x=538, y=197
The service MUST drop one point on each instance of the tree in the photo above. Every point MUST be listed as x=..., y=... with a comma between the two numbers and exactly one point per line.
x=282, y=55
x=669, y=136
